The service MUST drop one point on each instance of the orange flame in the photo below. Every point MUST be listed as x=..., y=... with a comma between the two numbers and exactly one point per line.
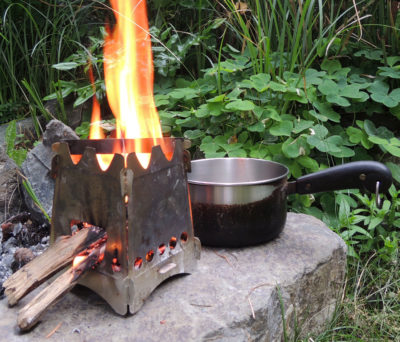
x=129, y=73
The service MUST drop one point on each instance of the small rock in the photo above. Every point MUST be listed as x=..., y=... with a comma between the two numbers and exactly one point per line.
x=37, y=167
x=57, y=131
x=11, y=242
x=17, y=228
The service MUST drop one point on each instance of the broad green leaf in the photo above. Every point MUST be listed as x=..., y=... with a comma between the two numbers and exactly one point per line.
x=392, y=60
x=325, y=112
x=378, y=87
x=258, y=127
x=187, y=122
x=234, y=94
x=241, y=105
x=395, y=169
x=331, y=66
x=338, y=100
x=193, y=135
x=240, y=153
x=392, y=72
x=277, y=87
x=371, y=54
x=293, y=148
x=202, y=111
x=260, y=81
x=283, y=128
x=353, y=91
x=320, y=131
x=329, y=87
x=184, y=93
x=314, y=77
x=308, y=163
x=161, y=100
x=219, y=98
x=301, y=125
x=272, y=113
x=215, y=108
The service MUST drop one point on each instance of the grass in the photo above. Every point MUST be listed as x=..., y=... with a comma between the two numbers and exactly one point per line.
x=34, y=35
x=370, y=309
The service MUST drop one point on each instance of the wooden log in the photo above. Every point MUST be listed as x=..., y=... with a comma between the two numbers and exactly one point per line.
x=30, y=314
x=56, y=257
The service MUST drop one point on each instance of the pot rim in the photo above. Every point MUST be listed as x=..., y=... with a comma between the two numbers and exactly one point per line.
x=284, y=171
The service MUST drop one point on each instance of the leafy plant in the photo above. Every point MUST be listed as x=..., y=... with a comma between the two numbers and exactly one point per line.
x=11, y=140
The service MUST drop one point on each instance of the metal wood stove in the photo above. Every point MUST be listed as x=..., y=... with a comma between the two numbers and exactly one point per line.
x=146, y=213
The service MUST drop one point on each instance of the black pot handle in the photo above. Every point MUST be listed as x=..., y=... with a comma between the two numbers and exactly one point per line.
x=363, y=175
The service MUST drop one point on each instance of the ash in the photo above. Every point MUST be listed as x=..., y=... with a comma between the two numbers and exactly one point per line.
x=21, y=239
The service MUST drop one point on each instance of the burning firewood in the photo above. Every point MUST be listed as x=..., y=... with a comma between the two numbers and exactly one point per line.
x=59, y=255
x=30, y=314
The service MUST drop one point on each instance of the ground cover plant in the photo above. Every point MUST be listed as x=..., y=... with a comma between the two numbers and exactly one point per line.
x=309, y=84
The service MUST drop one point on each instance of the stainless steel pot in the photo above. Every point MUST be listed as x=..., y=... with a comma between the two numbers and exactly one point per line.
x=242, y=201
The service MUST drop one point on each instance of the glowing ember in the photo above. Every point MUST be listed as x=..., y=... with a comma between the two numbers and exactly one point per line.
x=128, y=69
x=78, y=259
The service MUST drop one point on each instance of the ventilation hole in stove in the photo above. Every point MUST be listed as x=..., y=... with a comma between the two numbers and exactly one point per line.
x=150, y=255
x=77, y=225
x=138, y=263
x=172, y=243
x=184, y=237
x=161, y=249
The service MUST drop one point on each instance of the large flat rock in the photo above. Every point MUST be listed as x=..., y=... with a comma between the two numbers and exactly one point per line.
x=303, y=270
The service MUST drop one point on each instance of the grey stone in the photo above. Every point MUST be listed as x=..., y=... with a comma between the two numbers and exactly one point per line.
x=37, y=167
x=57, y=131
x=304, y=269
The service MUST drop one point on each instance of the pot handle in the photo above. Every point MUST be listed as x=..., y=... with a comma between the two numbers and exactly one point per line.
x=364, y=175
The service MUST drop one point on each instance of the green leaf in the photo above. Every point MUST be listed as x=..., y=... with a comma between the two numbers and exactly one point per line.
x=293, y=148
x=277, y=87
x=329, y=87
x=320, y=131
x=302, y=125
x=202, y=111
x=314, y=77
x=240, y=153
x=283, y=128
x=395, y=169
x=392, y=72
x=193, y=135
x=184, y=93
x=338, y=100
x=241, y=105
x=272, y=113
x=325, y=112
x=331, y=66
x=161, y=100
x=257, y=127
x=215, y=108
x=65, y=65
x=308, y=163
x=371, y=54
x=219, y=98
x=260, y=81
x=11, y=135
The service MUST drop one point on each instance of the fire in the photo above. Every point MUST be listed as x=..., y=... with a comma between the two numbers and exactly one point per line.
x=78, y=259
x=129, y=73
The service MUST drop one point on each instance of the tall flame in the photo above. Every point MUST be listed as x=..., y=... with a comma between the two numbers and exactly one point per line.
x=129, y=74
